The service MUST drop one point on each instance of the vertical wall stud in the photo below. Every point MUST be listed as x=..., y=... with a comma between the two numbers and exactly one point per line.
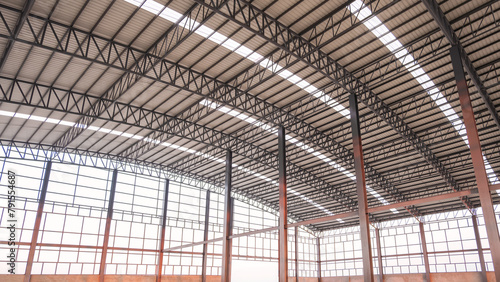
x=108, y=226
x=36, y=229
x=205, y=238
x=159, y=268
x=319, y=258
x=477, y=159
x=296, y=253
x=379, y=251
x=361, y=190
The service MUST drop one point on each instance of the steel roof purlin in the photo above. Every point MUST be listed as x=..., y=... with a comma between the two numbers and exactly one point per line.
x=166, y=87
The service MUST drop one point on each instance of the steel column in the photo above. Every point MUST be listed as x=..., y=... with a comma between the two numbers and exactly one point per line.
x=230, y=243
x=296, y=253
x=159, y=268
x=226, y=245
x=477, y=159
x=425, y=253
x=445, y=26
x=361, y=190
x=205, y=238
x=38, y=220
x=283, y=234
x=479, y=249
x=319, y=259
x=379, y=257
x=108, y=226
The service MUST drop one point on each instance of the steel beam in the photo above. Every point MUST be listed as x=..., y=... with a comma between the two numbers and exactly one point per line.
x=445, y=26
x=424, y=200
x=303, y=50
x=38, y=220
x=61, y=100
x=479, y=249
x=379, y=257
x=226, y=245
x=296, y=234
x=205, y=238
x=359, y=166
x=318, y=245
x=163, y=46
x=425, y=254
x=198, y=83
x=477, y=159
x=283, y=229
x=19, y=25
x=102, y=268
x=159, y=268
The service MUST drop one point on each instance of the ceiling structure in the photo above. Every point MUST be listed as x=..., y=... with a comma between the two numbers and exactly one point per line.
x=178, y=83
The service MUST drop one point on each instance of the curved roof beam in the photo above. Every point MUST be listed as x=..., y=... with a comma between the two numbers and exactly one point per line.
x=223, y=97
x=293, y=44
x=57, y=99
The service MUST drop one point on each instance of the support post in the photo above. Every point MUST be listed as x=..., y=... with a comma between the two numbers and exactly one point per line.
x=477, y=159
x=379, y=257
x=296, y=253
x=159, y=268
x=205, y=238
x=425, y=253
x=108, y=226
x=226, y=245
x=319, y=259
x=479, y=249
x=38, y=220
x=283, y=234
x=361, y=190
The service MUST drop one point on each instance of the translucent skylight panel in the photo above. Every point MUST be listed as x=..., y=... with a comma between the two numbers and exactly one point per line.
x=228, y=43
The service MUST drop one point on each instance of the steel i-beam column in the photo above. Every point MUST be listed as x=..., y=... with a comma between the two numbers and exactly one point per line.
x=226, y=245
x=296, y=253
x=205, y=238
x=159, y=268
x=477, y=159
x=379, y=257
x=479, y=249
x=319, y=259
x=283, y=234
x=108, y=226
x=361, y=190
x=231, y=224
x=38, y=220
x=424, y=253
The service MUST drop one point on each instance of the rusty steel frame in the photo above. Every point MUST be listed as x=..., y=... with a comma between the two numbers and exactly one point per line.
x=109, y=216
x=283, y=211
x=425, y=254
x=379, y=257
x=477, y=158
x=226, y=245
x=159, y=269
x=318, y=245
x=36, y=228
x=205, y=238
x=296, y=234
x=359, y=166
x=479, y=249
